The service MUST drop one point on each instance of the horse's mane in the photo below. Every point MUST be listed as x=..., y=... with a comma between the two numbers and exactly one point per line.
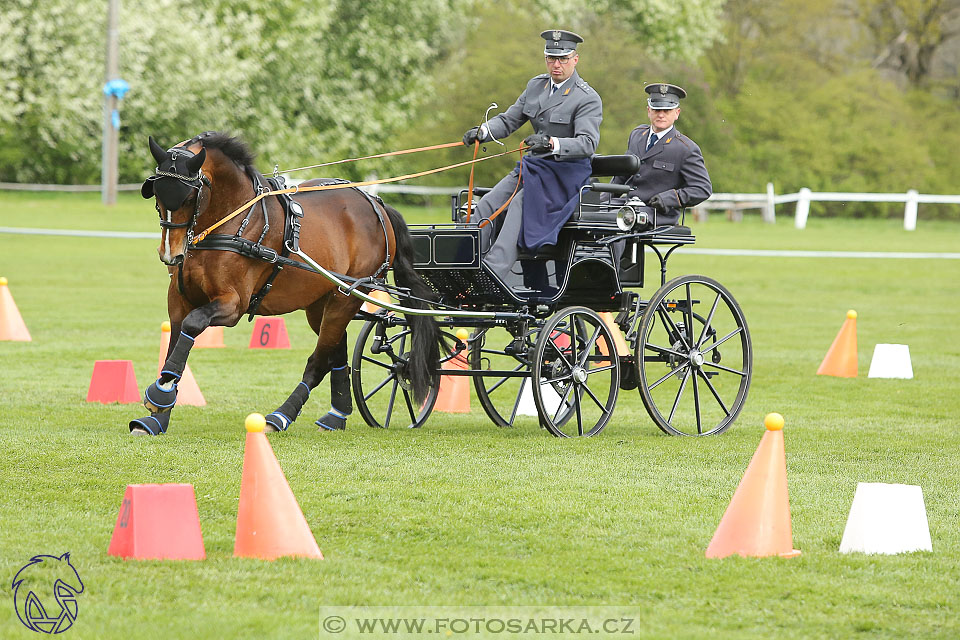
x=231, y=146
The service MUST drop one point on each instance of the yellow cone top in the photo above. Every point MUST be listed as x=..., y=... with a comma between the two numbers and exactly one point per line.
x=463, y=334
x=3, y=281
x=255, y=422
x=165, y=326
x=773, y=422
x=852, y=314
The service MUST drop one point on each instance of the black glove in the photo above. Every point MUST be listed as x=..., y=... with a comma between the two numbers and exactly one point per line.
x=538, y=143
x=657, y=203
x=471, y=136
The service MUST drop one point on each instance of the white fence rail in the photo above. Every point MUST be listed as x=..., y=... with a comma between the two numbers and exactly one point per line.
x=735, y=202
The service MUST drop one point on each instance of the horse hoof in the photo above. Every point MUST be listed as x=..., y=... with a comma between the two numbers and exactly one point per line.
x=153, y=425
x=331, y=422
x=276, y=422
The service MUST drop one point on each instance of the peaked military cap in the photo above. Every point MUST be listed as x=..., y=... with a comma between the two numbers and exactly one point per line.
x=664, y=96
x=559, y=42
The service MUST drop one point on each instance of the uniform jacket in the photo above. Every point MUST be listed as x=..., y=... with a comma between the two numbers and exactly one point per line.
x=673, y=168
x=572, y=115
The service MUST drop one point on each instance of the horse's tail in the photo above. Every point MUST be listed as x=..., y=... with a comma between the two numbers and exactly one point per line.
x=427, y=339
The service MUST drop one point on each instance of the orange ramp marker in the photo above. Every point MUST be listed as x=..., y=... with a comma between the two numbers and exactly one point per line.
x=113, y=381
x=269, y=333
x=270, y=523
x=622, y=348
x=158, y=522
x=210, y=338
x=382, y=296
x=12, y=326
x=841, y=358
x=188, y=391
x=757, y=521
x=454, y=394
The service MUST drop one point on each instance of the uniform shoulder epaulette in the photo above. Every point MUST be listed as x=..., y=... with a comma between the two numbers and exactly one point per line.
x=682, y=138
x=583, y=85
x=541, y=76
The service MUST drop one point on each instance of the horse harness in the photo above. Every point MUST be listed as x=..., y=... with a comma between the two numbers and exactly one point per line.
x=292, y=215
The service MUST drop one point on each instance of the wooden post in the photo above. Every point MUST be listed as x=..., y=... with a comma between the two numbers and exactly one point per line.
x=769, y=211
x=910, y=211
x=803, y=208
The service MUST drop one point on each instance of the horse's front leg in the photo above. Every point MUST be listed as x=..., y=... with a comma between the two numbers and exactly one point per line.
x=161, y=396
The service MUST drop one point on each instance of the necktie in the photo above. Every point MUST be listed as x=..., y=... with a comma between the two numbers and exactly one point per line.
x=553, y=89
x=652, y=141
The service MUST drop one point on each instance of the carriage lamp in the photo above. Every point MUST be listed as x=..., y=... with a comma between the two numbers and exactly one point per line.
x=633, y=215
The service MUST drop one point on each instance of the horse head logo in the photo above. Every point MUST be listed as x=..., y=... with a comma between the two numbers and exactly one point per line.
x=40, y=578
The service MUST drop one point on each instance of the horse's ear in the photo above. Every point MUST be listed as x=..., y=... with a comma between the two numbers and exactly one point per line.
x=194, y=163
x=159, y=153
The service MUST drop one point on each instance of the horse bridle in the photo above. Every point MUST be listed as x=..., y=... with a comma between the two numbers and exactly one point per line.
x=196, y=182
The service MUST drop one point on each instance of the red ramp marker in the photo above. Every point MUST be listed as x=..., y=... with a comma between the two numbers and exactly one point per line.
x=269, y=333
x=158, y=522
x=210, y=338
x=113, y=381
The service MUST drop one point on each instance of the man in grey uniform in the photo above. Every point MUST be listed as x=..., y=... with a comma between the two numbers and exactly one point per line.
x=672, y=174
x=565, y=113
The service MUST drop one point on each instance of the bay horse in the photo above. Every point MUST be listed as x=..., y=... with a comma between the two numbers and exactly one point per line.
x=247, y=267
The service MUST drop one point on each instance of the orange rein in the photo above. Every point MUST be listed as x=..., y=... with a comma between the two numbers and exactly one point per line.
x=325, y=187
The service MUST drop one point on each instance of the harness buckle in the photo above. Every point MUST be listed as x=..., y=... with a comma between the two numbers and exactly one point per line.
x=267, y=251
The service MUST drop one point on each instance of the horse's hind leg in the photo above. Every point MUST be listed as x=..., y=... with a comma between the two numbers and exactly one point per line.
x=341, y=401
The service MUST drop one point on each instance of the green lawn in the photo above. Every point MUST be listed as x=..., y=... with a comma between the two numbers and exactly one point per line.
x=461, y=512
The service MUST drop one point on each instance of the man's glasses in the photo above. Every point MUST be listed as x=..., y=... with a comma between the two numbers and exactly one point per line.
x=561, y=59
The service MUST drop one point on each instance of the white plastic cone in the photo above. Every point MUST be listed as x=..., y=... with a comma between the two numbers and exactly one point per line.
x=886, y=518
x=891, y=361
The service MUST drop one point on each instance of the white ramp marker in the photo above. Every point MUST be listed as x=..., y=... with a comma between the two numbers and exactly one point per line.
x=886, y=518
x=527, y=407
x=891, y=361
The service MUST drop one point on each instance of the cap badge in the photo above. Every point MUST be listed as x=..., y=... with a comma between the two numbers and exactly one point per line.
x=556, y=35
x=663, y=89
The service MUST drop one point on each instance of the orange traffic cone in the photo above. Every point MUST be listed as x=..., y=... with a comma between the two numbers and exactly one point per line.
x=454, y=394
x=382, y=296
x=188, y=392
x=209, y=338
x=841, y=358
x=11, y=322
x=757, y=521
x=270, y=523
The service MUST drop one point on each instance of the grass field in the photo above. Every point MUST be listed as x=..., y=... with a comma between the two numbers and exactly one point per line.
x=461, y=512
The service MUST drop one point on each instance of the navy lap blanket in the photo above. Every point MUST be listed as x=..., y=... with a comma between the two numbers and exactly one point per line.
x=550, y=195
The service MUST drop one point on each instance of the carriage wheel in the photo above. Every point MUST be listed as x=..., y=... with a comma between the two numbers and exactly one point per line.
x=381, y=386
x=499, y=395
x=576, y=362
x=694, y=357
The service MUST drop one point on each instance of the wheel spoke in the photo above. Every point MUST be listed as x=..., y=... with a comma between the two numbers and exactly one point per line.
x=722, y=340
x=605, y=367
x=589, y=347
x=664, y=350
x=393, y=397
x=563, y=402
x=714, y=392
x=406, y=398
x=378, y=387
x=665, y=317
x=727, y=369
x=706, y=323
x=667, y=376
x=366, y=358
x=676, y=401
x=576, y=401
x=590, y=393
x=696, y=402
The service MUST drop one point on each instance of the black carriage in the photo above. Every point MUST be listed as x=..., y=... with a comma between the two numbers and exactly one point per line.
x=566, y=349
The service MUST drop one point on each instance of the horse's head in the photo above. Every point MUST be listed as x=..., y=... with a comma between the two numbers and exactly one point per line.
x=43, y=581
x=177, y=185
